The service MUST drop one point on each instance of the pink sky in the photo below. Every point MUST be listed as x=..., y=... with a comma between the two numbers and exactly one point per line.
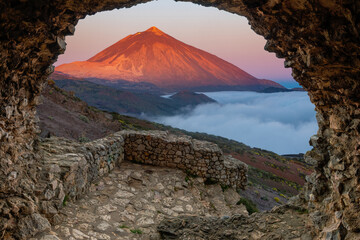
x=226, y=35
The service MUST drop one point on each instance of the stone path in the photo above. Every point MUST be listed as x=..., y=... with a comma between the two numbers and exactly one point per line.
x=131, y=201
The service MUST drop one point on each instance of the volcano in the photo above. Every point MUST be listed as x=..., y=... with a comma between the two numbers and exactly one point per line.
x=155, y=57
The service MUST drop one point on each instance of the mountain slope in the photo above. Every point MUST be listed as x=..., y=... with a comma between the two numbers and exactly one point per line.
x=155, y=57
x=188, y=98
x=126, y=102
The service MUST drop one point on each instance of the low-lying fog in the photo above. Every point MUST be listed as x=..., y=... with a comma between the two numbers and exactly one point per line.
x=279, y=122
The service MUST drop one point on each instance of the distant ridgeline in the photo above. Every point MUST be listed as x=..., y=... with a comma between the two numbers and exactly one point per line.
x=129, y=102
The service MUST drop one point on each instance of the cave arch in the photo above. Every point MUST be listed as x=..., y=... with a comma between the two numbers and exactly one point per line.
x=319, y=40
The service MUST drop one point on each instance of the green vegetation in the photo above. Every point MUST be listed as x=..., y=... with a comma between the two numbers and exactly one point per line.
x=255, y=175
x=65, y=200
x=302, y=211
x=189, y=175
x=277, y=199
x=250, y=205
x=83, y=139
x=136, y=231
x=275, y=166
x=123, y=226
x=224, y=187
x=84, y=118
x=282, y=195
x=264, y=198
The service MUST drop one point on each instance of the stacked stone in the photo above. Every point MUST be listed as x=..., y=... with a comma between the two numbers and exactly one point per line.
x=104, y=154
x=196, y=157
x=69, y=168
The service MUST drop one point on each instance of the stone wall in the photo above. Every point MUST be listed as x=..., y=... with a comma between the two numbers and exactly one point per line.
x=67, y=171
x=196, y=157
x=68, y=168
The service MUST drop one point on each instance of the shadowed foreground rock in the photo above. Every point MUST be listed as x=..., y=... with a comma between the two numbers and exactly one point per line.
x=281, y=223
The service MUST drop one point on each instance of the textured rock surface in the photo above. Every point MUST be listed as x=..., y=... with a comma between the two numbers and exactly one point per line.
x=68, y=169
x=196, y=157
x=138, y=197
x=280, y=223
x=318, y=39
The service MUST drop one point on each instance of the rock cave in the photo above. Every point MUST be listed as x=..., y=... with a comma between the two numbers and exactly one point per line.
x=319, y=40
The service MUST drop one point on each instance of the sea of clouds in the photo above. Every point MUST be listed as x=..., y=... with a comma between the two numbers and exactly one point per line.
x=279, y=122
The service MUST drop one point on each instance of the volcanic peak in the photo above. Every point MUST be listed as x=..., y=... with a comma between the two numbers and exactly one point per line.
x=155, y=57
x=155, y=30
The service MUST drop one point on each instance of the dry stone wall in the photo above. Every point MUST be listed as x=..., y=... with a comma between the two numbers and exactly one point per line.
x=69, y=168
x=196, y=157
x=67, y=171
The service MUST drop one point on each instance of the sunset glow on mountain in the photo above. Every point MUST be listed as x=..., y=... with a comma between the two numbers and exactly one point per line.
x=154, y=56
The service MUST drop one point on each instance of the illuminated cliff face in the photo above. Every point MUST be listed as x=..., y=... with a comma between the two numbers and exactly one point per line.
x=153, y=56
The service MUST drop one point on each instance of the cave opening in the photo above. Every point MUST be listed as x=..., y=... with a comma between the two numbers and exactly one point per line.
x=263, y=121
x=306, y=34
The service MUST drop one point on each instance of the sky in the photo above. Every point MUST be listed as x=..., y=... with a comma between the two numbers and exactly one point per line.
x=279, y=122
x=224, y=34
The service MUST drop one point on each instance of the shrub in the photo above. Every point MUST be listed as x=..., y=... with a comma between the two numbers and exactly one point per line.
x=302, y=211
x=136, y=231
x=277, y=199
x=264, y=198
x=51, y=82
x=187, y=178
x=282, y=195
x=250, y=205
x=84, y=118
x=83, y=139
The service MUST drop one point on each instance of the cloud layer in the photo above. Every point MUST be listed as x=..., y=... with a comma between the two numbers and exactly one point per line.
x=280, y=122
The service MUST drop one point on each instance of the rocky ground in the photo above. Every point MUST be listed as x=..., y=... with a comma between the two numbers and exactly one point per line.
x=282, y=223
x=131, y=201
x=135, y=201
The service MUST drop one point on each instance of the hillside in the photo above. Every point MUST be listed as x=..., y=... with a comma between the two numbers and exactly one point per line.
x=128, y=102
x=191, y=99
x=270, y=176
x=155, y=57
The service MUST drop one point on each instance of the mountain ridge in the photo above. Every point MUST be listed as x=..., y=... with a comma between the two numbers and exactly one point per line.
x=128, y=102
x=156, y=57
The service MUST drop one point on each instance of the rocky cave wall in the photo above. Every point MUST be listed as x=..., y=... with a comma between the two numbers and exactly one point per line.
x=318, y=39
